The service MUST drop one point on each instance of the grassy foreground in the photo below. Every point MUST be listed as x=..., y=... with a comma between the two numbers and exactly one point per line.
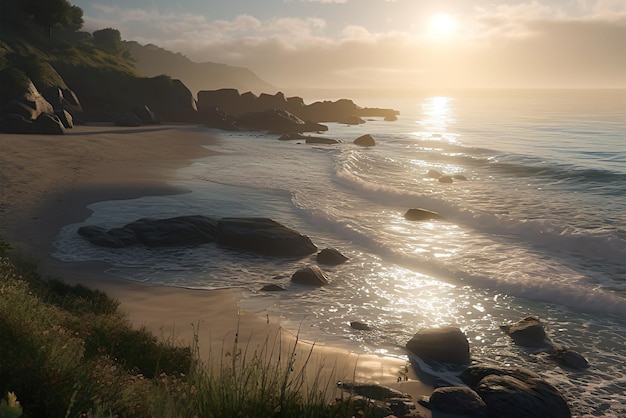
x=67, y=351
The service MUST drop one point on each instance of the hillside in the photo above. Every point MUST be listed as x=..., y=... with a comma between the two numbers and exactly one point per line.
x=152, y=60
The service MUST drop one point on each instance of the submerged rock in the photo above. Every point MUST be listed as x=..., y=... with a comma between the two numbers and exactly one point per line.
x=365, y=141
x=273, y=288
x=419, y=214
x=311, y=275
x=360, y=326
x=331, y=256
x=528, y=332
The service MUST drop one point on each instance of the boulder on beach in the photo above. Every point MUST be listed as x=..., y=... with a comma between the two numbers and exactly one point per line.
x=528, y=332
x=515, y=392
x=445, y=345
x=457, y=401
x=48, y=124
x=331, y=256
x=568, y=358
x=263, y=236
x=433, y=174
x=365, y=141
x=419, y=214
x=311, y=275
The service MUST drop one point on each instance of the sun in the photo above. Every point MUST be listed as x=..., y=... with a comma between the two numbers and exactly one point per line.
x=442, y=25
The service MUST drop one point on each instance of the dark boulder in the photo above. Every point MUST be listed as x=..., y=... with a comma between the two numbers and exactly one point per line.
x=310, y=275
x=65, y=118
x=292, y=136
x=445, y=345
x=263, y=236
x=459, y=177
x=515, y=392
x=29, y=103
x=360, y=326
x=331, y=256
x=276, y=121
x=179, y=231
x=365, y=141
x=458, y=401
x=48, y=124
x=528, y=332
x=227, y=100
x=113, y=238
x=15, y=124
x=320, y=140
x=126, y=119
x=446, y=179
x=419, y=214
x=568, y=358
x=145, y=114
x=171, y=232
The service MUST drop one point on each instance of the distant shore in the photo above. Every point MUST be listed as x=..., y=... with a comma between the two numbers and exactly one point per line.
x=47, y=183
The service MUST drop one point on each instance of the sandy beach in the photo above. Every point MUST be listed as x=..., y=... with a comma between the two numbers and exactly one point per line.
x=48, y=181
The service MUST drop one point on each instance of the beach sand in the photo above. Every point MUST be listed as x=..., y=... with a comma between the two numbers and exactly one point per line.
x=47, y=182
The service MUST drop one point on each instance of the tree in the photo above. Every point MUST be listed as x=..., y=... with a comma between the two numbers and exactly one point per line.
x=53, y=13
x=108, y=40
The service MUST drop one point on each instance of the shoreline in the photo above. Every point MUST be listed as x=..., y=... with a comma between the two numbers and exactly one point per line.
x=50, y=180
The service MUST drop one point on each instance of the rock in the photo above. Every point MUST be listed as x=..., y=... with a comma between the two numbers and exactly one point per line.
x=352, y=120
x=515, y=392
x=372, y=391
x=360, y=326
x=459, y=177
x=419, y=214
x=331, y=256
x=127, y=119
x=114, y=238
x=30, y=104
x=433, y=174
x=292, y=136
x=145, y=115
x=180, y=231
x=458, y=401
x=507, y=396
x=568, y=358
x=445, y=345
x=48, y=124
x=263, y=236
x=320, y=140
x=391, y=118
x=15, y=124
x=276, y=121
x=273, y=288
x=365, y=141
x=445, y=179
x=311, y=275
x=65, y=118
x=528, y=332
x=171, y=232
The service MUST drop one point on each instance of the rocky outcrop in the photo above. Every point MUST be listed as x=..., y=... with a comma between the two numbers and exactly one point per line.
x=419, y=214
x=275, y=121
x=310, y=275
x=445, y=345
x=263, y=236
x=457, y=401
x=515, y=392
x=528, y=332
x=260, y=235
x=331, y=256
x=171, y=232
x=365, y=141
x=233, y=103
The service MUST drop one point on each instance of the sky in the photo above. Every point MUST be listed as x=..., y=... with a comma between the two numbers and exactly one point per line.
x=387, y=44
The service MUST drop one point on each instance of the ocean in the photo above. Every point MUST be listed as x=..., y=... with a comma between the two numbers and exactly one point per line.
x=538, y=226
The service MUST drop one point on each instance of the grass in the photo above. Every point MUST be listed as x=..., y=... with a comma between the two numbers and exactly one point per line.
x=67, y=351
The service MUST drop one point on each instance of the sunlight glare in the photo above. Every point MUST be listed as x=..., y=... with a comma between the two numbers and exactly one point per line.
x=442, y=25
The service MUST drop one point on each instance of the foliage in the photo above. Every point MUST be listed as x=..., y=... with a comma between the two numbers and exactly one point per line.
x=108, y=40
x=67, y=351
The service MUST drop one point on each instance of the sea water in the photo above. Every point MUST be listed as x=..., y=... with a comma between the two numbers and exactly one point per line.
x=538, y=227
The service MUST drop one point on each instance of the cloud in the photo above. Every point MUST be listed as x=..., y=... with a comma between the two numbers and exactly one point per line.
x=520, y=45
